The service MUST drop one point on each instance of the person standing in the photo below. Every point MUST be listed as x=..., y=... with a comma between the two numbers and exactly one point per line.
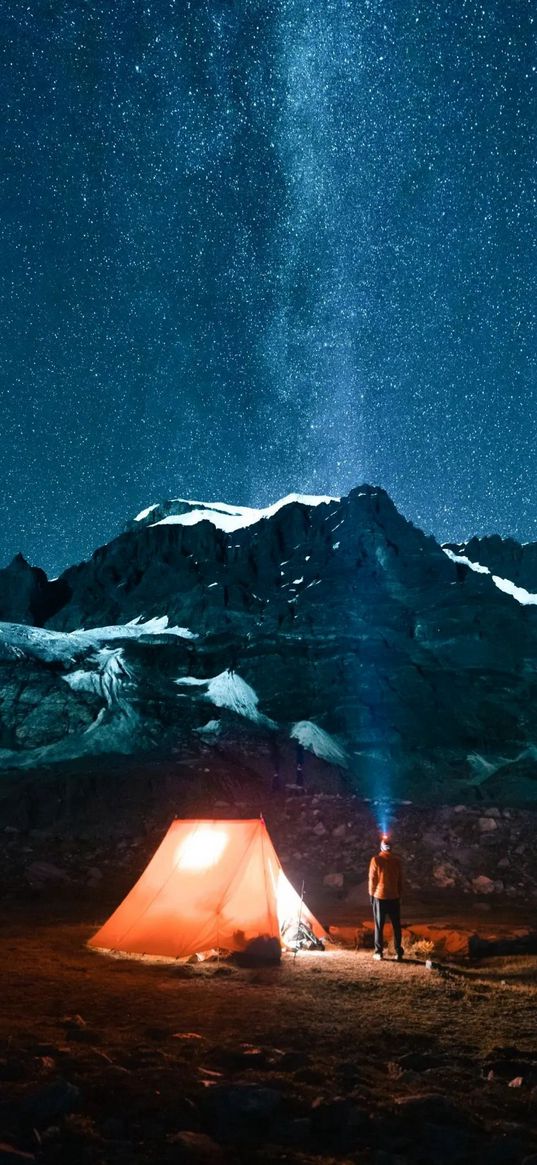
x=385, y=887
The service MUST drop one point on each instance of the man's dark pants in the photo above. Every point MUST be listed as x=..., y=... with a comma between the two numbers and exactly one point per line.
x=384, y=908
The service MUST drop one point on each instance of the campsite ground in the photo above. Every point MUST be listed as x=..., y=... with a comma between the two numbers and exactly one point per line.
x=328, y=1058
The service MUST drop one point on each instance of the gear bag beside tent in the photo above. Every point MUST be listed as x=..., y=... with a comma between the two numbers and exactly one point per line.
x=210, y=885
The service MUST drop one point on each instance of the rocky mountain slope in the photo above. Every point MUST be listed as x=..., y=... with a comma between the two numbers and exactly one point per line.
x=505, y=557
x=229, y=639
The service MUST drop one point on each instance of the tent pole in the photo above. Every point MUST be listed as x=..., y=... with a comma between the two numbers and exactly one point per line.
x=298, y=924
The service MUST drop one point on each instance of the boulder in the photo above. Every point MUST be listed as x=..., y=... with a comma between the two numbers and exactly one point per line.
x=444, y=875
x=45, y=1106
x=195, y=1148
x=337, y=1123
x=42, y=873
x=446, y=1143
x=432, y=1107
x=483, y=885
x=487, y=824
x=240, y=1108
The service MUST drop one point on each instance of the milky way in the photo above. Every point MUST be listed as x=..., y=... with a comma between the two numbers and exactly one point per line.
x=253, y=248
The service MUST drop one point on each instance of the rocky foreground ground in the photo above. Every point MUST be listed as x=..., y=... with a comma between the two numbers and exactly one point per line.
x=328, y=1058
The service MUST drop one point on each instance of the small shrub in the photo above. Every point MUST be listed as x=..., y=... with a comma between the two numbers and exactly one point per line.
x=420, y=948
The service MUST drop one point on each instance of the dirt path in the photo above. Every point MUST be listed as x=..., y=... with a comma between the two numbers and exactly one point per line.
x=349, y=1060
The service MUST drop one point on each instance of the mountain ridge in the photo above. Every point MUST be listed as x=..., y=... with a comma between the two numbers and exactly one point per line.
x=337, y=614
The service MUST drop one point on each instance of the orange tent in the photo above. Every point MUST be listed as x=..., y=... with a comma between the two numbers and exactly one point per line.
x=210, y=885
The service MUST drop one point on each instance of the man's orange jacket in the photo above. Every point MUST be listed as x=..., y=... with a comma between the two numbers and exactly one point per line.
x=385, y=876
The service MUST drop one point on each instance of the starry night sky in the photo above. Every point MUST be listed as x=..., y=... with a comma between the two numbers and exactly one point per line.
x=249, y=248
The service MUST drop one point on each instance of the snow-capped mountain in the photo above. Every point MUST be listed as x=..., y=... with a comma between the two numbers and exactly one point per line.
x=180, y=512
x=225, y=636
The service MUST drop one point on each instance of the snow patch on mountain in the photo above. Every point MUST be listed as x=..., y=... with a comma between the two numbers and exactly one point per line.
x=159, y=625
x=211, y=728
x=475, y=566
x=19, y=639
x=145, y=513
x=229, y=690
x=106, y=680
x=230, y=518
x=319, y=742
x=526, y=598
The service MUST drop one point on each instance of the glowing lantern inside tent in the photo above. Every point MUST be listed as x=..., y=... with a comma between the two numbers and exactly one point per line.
x=201, y=849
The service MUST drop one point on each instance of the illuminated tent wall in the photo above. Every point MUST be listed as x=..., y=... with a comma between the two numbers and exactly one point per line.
x=210, y=884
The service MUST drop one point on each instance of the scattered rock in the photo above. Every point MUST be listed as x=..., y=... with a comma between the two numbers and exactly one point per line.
x=482, y=884
x=445, y=1144
x=444, y=875
x=419, y=1061
x=335, y=881
x=197, y=1148
x=43, y=1107
x=487, y=824
x=74, y=1021
x=291, y=1132
x=511, y=1067
x=41, y=873
x=243, y=1106
x=430, y=1106
x=250, y=1056
x=433, y=838
x=336, y=1123
x=261, y=951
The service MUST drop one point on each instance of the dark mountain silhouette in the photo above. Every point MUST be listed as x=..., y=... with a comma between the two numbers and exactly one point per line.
x=337, y=626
